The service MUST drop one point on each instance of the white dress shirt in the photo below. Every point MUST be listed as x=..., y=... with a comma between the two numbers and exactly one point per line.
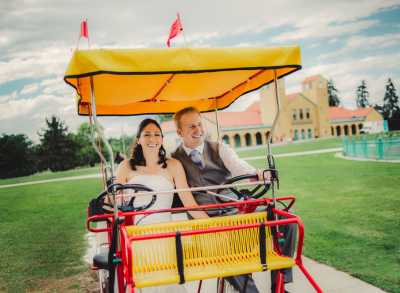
x=231, y=160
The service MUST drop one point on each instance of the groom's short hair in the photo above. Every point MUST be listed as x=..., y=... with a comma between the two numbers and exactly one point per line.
x=178, y=115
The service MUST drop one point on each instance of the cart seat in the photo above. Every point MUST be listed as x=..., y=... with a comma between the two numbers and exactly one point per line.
x=204, y=256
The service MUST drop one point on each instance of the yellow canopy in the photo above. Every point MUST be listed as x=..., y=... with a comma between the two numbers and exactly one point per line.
x=154, y=81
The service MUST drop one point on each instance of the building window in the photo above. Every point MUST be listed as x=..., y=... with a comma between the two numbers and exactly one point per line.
x=236, y=138
x=258, y=138
x=307, y=113
x=338, y=131
x=332, y=131
x=346, y=130
x=296, y=135
x=301, y=114
x=303, y=134
x=309, y=133
x=247, y=137
x=294, y=115
x=225, y=138
x=267, y=138
x=353, y=129
x=360, y=126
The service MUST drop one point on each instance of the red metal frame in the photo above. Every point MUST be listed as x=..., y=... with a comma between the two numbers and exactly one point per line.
x=125, y=269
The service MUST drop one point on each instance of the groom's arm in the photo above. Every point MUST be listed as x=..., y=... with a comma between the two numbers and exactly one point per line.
x=233, y=163
x=180, y=181
x=236, y=165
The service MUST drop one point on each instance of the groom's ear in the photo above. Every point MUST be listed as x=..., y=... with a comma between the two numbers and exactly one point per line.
x=179, y=132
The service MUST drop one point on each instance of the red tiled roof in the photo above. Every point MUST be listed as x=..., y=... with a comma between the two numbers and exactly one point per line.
x=225, y=119
x=168, y=126
x=311, y=78
x=231, y=119
x=292, y=96
x=255, y=107
x=342, y=113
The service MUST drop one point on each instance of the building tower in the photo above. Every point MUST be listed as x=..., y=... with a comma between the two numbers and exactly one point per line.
x=315, y=88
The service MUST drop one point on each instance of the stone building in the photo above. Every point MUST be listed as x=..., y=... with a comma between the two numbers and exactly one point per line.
x=302, y=115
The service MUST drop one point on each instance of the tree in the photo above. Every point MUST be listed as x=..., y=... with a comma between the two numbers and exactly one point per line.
x=362, y=95
x=17, y=156
x=165, y=117
x=58, y=149
x=334, y=100
x=390, y=101
x=86, y=153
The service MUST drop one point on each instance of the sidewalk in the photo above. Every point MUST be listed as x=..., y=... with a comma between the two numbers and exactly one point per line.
x=329, y=279
x=295, y=154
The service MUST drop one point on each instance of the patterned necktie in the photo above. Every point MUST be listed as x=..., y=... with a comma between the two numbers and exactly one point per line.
x=196, y=158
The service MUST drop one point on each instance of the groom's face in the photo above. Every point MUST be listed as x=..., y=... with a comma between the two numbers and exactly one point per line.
x=191, y=130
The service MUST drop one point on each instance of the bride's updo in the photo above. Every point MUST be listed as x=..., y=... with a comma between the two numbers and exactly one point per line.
x=137, y=158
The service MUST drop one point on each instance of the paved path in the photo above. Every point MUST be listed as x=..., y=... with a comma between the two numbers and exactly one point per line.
x=331, y=150
x=51, y=180
x=296, y=154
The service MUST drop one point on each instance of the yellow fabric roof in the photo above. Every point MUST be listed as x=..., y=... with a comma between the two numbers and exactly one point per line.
x=145, y=81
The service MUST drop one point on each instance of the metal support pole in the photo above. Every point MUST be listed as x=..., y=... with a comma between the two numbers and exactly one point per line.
x=216, y=120
x=271, y=162
x=99, y=131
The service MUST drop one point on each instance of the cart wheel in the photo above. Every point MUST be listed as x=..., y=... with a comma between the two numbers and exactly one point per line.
x=103, y=280
x=224, y=287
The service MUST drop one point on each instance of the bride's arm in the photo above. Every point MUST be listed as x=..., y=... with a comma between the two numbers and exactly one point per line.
x=122, y=171
x=179, y=176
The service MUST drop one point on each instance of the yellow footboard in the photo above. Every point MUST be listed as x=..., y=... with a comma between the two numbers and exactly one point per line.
x=204, y=256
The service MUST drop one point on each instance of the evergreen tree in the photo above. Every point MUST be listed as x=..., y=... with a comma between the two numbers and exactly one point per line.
x=390, y=101
x=362, y=95
x=334, y=100
x=58, y=149
x=17, y=157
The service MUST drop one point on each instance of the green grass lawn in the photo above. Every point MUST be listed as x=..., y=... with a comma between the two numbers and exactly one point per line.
x=51, y=175
x=42, y=230
x=350, y=210
x=351, y=214
x=293, y=147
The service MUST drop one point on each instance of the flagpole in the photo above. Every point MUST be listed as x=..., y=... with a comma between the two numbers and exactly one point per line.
x=88, y=42
x=183, y=31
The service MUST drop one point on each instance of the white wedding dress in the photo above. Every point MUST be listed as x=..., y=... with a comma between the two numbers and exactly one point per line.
x=155, y=182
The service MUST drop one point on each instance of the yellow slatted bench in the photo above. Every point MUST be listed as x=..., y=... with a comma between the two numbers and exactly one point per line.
x=211, y=255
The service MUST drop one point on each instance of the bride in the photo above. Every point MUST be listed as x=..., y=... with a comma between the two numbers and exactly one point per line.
x=149, y=166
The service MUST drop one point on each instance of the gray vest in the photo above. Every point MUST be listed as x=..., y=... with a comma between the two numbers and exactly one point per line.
x=213, y=173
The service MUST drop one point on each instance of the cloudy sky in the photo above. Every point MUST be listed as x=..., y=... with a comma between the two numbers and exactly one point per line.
x=347, y=41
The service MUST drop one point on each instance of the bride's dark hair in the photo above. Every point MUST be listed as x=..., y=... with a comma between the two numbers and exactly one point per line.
x=137, y=158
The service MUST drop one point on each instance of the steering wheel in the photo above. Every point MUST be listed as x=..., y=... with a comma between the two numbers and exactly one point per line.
x=99, y=203
x=237, y=194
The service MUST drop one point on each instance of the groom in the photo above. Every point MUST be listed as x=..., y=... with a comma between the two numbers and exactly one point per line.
x=208, y=163
x=212, y=163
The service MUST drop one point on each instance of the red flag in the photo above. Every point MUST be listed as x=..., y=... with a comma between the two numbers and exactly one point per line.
x=84, y=29
x=176, y=28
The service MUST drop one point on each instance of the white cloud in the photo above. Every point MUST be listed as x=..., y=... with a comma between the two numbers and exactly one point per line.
x=6, y=98
x=365, y=43
x=325, y=30
x=35, y=64
x=29, y=89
